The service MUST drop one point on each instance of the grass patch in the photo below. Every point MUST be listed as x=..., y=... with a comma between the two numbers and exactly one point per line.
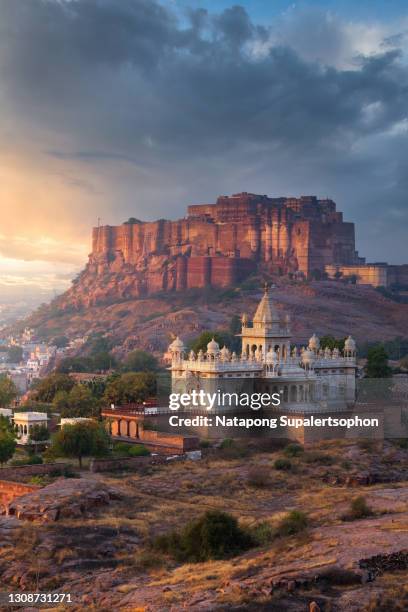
x=316, y=457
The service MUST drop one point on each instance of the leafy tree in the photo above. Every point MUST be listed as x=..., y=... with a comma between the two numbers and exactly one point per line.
x=49, y=386
x=7, y=446
x=132, y=221
x=15, y=354
x=8, y=391
x=377, y=363
x=223, y=338
x=80, y=403
x=97, y=344
x=61, y=401
x=60, y=341
x=331, y=342
x=140, y=361
x=103, y=361
x=80, y=440
x=39, y=433
x=6, y=424
x=130, y=387
x=235, y=325
x=75, y=364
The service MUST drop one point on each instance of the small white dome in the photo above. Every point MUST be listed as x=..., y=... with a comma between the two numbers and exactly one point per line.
x=213, y=346
x=224, y=353
x=176, y=345
x=349, y=344
x=314, y=343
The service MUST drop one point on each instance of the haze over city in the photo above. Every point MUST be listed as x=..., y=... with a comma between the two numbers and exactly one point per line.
x=138, y=108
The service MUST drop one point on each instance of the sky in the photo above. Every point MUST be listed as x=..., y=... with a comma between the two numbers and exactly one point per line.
x=138, y=108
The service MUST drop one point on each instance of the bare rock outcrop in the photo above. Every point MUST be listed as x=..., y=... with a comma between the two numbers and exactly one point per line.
x=64, y=498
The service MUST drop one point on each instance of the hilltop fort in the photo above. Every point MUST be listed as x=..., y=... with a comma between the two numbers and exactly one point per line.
x=219, y=245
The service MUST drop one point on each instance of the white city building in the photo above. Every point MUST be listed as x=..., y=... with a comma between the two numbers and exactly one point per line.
x=309, y=380
x=24, y=423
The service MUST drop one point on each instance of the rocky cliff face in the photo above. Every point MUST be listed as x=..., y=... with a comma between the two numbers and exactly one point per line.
x=216, y=245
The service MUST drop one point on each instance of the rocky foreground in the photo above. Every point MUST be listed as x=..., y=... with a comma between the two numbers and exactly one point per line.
x=102, y=553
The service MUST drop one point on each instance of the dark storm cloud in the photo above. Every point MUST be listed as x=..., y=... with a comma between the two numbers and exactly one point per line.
x=204, y=101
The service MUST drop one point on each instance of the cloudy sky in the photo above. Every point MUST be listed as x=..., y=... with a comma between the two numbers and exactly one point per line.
x=115, y=108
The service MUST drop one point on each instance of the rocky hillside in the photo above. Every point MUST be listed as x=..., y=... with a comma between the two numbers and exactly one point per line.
x=325, y=307
x=334, y=561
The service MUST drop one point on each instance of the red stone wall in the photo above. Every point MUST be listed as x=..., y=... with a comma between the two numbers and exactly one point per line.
x=10, y=490
x=209, y=246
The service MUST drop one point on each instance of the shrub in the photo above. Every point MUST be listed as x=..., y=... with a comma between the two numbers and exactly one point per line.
x=293, y=450
x=138, y=451
x=227, y=443
x=38, y=480
x=359, y=508
x=282, y=464
x=214, y=535
x=294, y=522
x=121, y=448
x=339, y=576
x=31, y=460
x=263, y=533
x=205, y=444
x=258, y=477
x=35, y=460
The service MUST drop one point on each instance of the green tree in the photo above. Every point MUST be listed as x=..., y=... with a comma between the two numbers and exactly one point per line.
x=235, y=325
x=8, y=391
x=60, y=341
x=49, y=386
x=39, y=433
x=80, y=403
x=331, y=342
x=130, y=387
x=7, y=446
x=61, y=401
x=80, y=440
x=6, y=424
x=140, y=361
x=223, y=338
x=377, y=362
x=97, y=344
x=75, y=364
x=103, y=361
x=15, y=354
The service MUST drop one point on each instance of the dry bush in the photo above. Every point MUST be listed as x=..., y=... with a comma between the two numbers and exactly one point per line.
x=259, y=477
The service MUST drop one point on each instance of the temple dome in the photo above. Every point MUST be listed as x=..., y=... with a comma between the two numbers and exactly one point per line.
x=176, y=345
x=314, y=343
x=213, y=346
x=224, y=353
x=266, y=312
x=349, y=344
